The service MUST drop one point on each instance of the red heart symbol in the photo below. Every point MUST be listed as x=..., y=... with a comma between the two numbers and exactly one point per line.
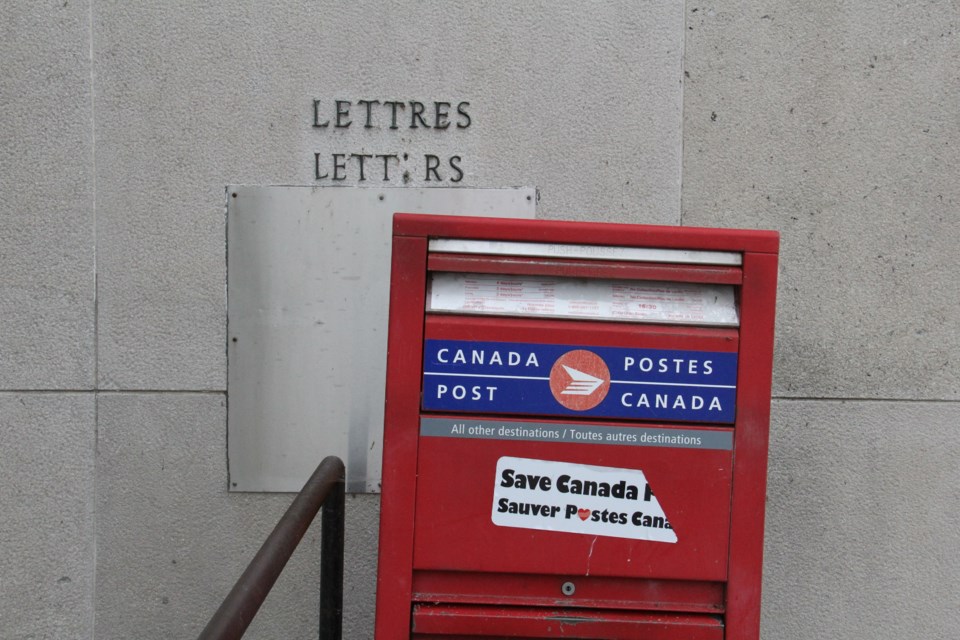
x=584, y=513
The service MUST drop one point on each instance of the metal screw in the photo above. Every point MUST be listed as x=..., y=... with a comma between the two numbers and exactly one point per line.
x=568, y=588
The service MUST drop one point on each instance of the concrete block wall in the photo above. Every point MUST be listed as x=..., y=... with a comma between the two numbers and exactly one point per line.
x=47, y=323
x=123, y=123
x=835, y=124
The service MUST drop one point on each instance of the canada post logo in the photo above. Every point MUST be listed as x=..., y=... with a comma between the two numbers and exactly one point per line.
x=549, y=379
x=579, y=380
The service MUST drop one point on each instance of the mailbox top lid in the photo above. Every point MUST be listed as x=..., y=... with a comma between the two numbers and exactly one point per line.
x=598, y=233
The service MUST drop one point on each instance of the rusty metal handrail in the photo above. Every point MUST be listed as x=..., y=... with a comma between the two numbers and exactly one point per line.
x=325, y=489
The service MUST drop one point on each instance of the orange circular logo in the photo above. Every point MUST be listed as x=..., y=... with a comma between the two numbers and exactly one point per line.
x=579, y=380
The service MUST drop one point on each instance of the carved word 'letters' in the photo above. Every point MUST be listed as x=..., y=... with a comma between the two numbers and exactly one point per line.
x=389, y=114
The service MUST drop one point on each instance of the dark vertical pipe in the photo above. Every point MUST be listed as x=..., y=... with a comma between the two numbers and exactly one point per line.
x=331, y=564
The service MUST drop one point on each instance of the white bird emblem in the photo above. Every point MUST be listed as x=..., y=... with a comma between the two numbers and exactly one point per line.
x=581, y=384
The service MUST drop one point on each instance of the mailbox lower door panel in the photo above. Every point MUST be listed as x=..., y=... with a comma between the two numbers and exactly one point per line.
x=594, y=592
x=452, y=622
x=570, y=508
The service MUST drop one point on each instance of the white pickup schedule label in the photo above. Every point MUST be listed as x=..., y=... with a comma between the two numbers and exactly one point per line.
x=578, y=498
x=612, y=300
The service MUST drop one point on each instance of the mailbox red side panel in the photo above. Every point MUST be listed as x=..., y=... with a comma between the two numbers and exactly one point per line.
x=404, y=355
x=751, y=438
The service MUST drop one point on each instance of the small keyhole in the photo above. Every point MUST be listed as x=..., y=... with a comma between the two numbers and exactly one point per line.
x=568, y=588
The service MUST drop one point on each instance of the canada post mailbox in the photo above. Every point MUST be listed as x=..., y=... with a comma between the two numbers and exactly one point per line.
x=576, y=430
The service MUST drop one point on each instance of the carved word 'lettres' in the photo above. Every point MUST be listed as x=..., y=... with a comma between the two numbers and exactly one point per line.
x=436, y=115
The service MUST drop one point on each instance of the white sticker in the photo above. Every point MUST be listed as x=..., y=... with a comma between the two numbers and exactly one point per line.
x=578, y=498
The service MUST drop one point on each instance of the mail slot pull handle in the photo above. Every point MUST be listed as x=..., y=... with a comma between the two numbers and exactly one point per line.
x=589, y=252
x=583, y=268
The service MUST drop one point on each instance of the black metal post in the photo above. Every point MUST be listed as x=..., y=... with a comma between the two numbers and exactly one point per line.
x=331, y=564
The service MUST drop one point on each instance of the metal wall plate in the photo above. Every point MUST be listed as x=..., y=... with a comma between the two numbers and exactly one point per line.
x=308, y=273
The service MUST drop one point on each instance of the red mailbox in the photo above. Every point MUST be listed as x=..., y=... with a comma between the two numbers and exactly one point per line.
x=575, y=441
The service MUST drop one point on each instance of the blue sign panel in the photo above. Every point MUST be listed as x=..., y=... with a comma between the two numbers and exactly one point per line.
x=565, y=380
